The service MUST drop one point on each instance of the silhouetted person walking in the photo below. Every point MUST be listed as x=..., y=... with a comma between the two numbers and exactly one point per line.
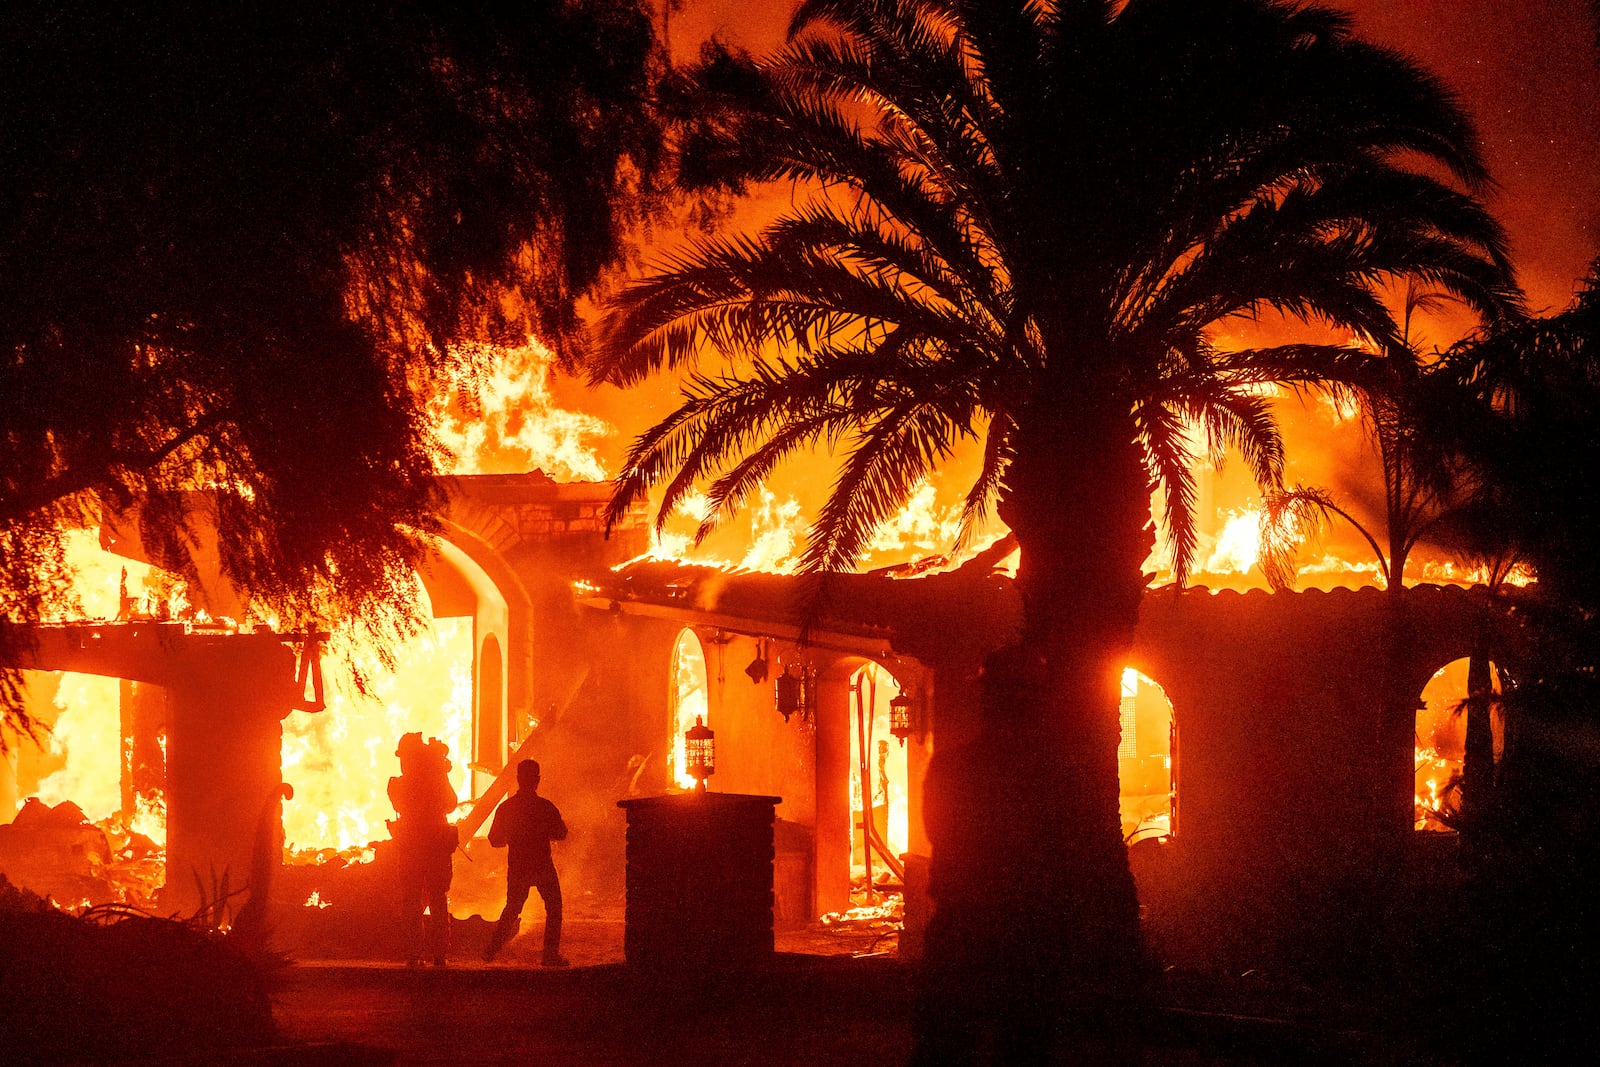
x=526, y=824
x=425, y=842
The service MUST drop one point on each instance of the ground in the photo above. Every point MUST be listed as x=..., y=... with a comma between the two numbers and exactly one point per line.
x=817, y=1003
x=599, y=1011
x=793, y=1012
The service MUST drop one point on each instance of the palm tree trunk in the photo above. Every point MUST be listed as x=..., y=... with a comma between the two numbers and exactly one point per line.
x=1034, y=897
x=1477, y=766
x=1078, y=500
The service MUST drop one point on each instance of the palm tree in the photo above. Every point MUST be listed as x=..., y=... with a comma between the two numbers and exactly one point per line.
x=1480, y=530
x=1417, y=414
x=1410, y=411
x=1023, y=218
x=1539, y=383
x=1531, y=449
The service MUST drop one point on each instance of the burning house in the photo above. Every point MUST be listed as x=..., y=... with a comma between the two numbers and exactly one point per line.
x=1262, y=770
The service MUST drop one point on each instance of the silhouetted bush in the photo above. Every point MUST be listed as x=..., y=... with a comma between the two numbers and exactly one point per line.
x=117, y=985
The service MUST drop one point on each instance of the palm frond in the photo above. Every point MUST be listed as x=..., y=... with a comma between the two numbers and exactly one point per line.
x=985, y=488
x=1027, y=204
x=1163, y=436
x=1296, y=516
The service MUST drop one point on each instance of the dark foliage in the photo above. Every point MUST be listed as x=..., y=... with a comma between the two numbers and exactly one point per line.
x=1502, y=960
x=1536, y=443
x=237, y=242
x=1018, y=223
x=118, y=986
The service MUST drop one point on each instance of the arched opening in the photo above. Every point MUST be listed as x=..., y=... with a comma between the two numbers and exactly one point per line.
x=1441, y=744
x=461, y=593
x=878, y=759
x=1146, y=767
x=491, y=751
x=339, y=760
x=689, y=701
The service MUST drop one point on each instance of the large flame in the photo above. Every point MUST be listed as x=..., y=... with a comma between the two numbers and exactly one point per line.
x=505, y=420
x=339, y=760
x=770, y=533
x=87, y=738
x=1238, y=546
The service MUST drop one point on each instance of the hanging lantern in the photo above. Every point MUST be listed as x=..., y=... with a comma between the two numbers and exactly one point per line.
x=791, y=694
x=700, y=752
x=900, y=716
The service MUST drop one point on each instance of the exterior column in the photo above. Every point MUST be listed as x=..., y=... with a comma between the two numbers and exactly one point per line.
x=224, y=746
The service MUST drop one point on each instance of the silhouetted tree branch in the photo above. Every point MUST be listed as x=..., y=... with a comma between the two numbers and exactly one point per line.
x=238, y=244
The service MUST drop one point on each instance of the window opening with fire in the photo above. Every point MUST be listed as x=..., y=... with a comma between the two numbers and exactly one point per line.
x=83, y=815
x=871, y=689
x=1145, y=769
x=1441, y=744
x=83, y=812
x=689, y=701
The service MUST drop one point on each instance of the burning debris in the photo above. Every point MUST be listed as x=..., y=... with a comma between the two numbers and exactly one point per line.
x=57, y=853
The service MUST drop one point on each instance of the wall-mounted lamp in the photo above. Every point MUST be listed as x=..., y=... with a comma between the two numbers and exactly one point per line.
x=900, y=716
x=795, y=691
x=757, y=670
x=790, y=693
x=700, y=752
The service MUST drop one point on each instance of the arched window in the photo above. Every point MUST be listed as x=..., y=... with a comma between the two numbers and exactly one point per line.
x=1145, y=759
x=688, y=700
x=884, y=758
x=1441, y=744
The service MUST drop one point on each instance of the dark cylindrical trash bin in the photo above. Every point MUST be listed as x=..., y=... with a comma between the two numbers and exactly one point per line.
x=699, y=880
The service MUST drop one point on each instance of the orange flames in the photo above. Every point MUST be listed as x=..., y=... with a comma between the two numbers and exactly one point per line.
x=886, y=763
x=339, y=760
x=1441, y=744
x=504, y=419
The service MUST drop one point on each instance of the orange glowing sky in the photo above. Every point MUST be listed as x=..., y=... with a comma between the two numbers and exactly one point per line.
x=1527, y=72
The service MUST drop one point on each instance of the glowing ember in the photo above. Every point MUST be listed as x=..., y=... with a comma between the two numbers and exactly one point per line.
x=1437, y=776
x=150, y=814
x=315, y=901
x=892, y=909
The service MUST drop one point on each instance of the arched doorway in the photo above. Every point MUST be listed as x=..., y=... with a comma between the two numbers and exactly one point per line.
x=338, y=760
x=877, y=758
x=1441, y=744
x=1146, y=767
x=688, y=701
